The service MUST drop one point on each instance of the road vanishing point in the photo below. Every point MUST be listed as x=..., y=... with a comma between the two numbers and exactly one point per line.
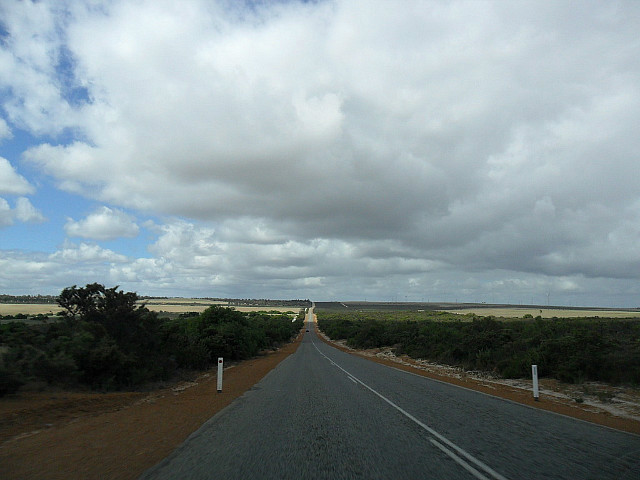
x=325, y=414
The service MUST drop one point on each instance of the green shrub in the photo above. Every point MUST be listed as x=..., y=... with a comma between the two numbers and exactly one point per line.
x=59, y=368
x=106, y=341
x=10, y=381
x=571, y=350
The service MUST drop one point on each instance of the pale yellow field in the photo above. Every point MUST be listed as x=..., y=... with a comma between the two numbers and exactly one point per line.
x=28, y=308
x=155, y=307
x=173, y=305
x=268, y=309
x=514, y=312
x=182, y=305
x=181, y=301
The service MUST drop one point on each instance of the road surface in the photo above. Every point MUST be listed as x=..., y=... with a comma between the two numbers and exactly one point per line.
x=325, y=414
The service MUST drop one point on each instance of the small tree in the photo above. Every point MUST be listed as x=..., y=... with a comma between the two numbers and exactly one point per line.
x=81, y=302
x=116, y=311
x=125, y=338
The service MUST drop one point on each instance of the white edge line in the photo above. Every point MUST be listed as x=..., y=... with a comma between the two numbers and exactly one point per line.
x=537, y=409
x=458, y=460
x=486, y=394
x=443, y=439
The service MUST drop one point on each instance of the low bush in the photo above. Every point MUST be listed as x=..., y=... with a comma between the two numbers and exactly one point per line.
x=107, y=341
x=9, y=381
x=571, y=350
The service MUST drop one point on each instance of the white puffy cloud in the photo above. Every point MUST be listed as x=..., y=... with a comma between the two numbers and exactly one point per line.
x=12, y=182
x=35, y=272
x=191, y=259
x=20, y=272
x=103, y=224
x=85, y=253
x=383, y=145
x=31, y=60
x=26, y=212
x=5, y=131
x=6, y=215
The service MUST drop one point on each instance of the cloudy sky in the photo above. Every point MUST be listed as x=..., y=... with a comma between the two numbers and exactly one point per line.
x=331, y=150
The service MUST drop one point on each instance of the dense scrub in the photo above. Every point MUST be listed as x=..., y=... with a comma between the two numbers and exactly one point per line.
x=25, y=316
x=107, y=341
x=571, y=350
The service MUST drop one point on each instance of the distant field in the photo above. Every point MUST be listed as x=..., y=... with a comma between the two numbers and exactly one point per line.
x=179, y=305
x=28, y=308
x=182, y=305
x=198, y=307
x=515, y=312
x=182, y=301
x=186, y=307
x=267, y=309
x=498, y=310
x=170, y=305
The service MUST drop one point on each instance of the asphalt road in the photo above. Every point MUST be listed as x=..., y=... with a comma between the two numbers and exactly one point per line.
x=325, y=414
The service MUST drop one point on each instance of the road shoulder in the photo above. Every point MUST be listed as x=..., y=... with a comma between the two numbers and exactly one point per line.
x=559, y=404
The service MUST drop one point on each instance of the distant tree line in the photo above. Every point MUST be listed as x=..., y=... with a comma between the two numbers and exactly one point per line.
x=24, y=316
x=570, y=350
x=246, y=302
x=107, y=340
x=28, y=299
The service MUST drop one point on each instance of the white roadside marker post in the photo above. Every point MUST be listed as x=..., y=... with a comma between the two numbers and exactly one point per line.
x=220, y=362
x=534, y=374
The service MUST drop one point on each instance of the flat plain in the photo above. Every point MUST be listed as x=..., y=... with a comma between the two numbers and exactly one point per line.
x=29, y=308
x=170, y=305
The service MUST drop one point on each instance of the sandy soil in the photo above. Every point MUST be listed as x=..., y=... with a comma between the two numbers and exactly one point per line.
x=119, y=435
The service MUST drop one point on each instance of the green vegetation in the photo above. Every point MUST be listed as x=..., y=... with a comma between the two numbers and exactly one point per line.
x=107, y=341
x=571, y=350
x=18, y=316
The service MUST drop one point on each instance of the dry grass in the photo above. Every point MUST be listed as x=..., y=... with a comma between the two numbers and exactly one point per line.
x=179, y=305
x=28, y=308
x=268, y=309
x=171, y=305
x=177, y=308
x=182, y=305
x=182, y=301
